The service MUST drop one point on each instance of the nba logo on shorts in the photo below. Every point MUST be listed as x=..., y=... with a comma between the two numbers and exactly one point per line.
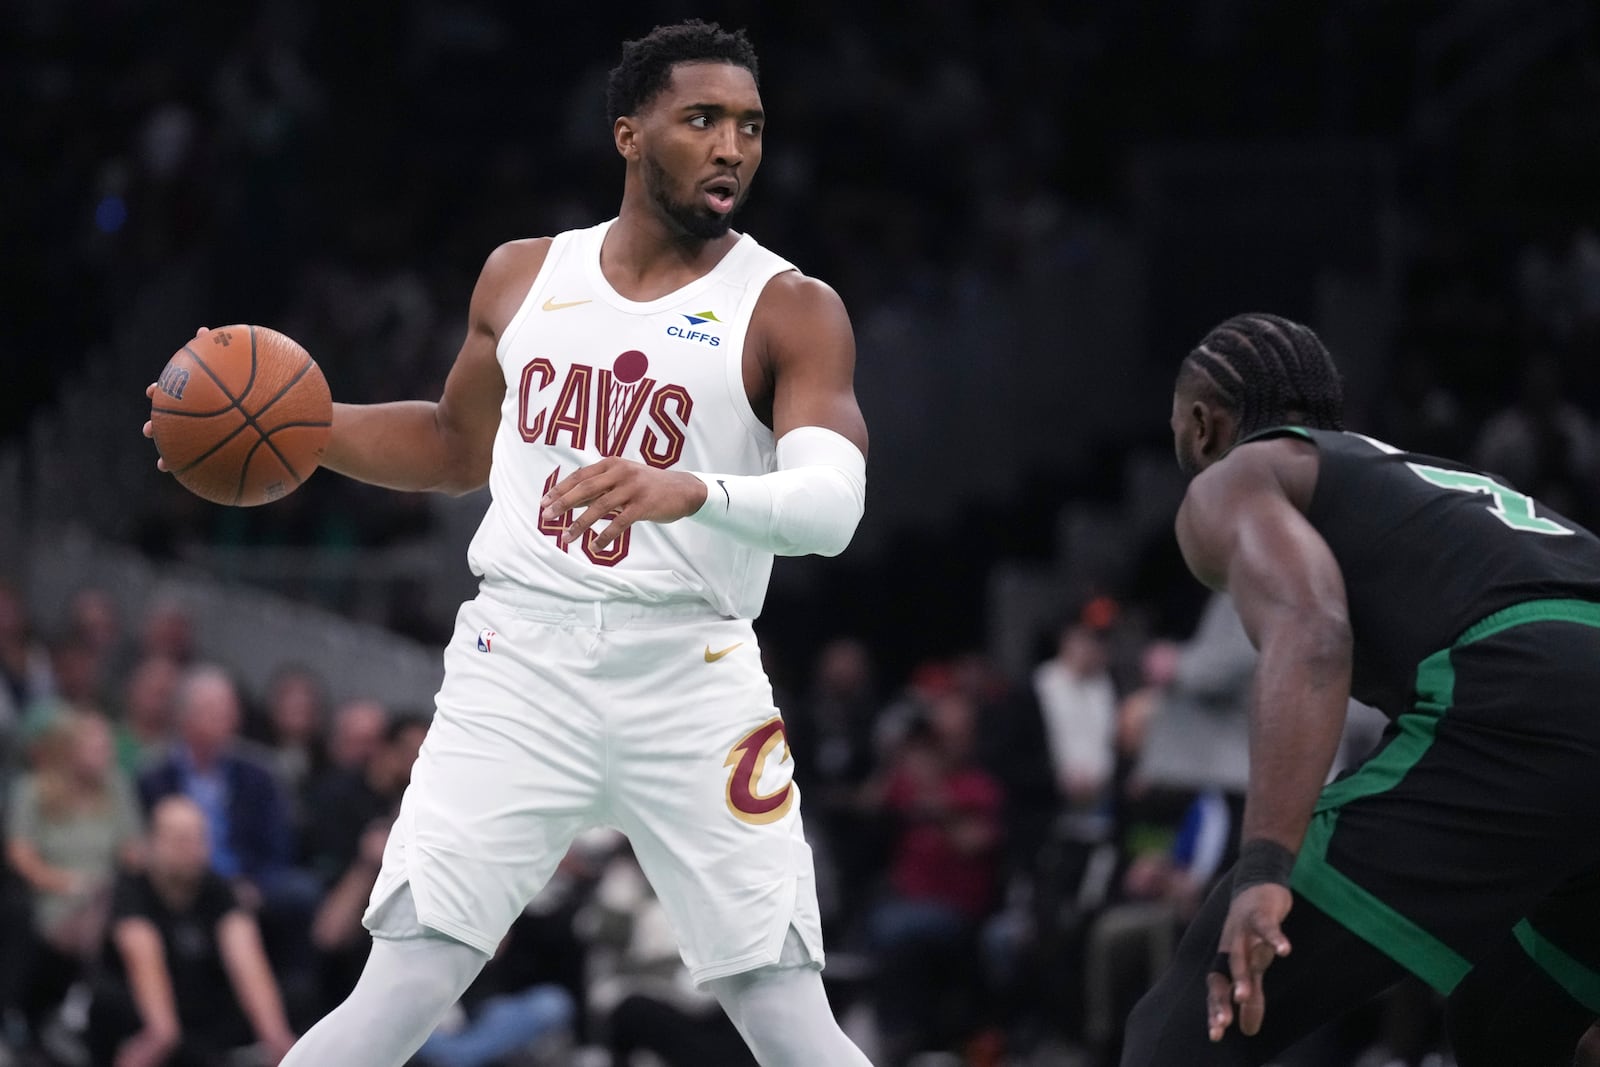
x=485, y=640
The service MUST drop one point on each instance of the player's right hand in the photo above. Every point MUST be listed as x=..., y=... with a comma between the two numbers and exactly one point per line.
x=1252, y=937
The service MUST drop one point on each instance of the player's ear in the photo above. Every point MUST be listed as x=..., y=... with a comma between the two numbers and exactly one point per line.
x=1215, y=430
x=625, y=132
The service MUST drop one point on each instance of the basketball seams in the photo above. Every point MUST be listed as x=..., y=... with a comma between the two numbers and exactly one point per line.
x=266, y=440
x=250, y=381
x=266, y=435
x=251, y=418
x=244, y=469
x=213, y=376
x=213, y=450
x=312, y=423
x=303, y=371
x=192, y=414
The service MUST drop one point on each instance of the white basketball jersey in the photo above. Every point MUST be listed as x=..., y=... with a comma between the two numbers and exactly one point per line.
x=591, y=374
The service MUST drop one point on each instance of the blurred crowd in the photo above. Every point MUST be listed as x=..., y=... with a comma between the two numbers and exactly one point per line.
x=1004, y=863
x=1004, y=860
x=341, y=172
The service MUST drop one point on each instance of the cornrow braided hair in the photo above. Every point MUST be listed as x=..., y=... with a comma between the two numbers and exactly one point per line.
x=1269, y=372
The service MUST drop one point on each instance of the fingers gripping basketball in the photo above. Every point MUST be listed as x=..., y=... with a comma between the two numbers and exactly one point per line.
x=241, y=415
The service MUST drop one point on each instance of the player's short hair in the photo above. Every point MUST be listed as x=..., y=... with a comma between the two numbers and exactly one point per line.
x=646, y=65
x=1267, y=371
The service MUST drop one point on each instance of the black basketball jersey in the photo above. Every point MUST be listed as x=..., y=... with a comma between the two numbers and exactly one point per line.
x=1428, y=547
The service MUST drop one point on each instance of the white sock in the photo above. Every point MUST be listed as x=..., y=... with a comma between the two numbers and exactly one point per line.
x=406, y=987
x=782, y=1013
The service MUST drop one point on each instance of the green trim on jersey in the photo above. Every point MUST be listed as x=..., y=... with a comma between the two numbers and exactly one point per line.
x=1334, y=892
x=1581, y=983
x=1398, y=937
x=1298, y=431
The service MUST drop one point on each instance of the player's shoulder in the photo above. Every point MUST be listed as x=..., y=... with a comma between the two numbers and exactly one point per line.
x=518, y=257
x=1283, y=465
x=793, y=298
x=507, y=276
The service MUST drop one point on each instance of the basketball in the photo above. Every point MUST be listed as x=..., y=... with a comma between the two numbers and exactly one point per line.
x=241, y=415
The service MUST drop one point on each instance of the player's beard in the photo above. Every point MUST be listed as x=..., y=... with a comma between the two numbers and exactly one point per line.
x=1188, y=462
x=694, y=219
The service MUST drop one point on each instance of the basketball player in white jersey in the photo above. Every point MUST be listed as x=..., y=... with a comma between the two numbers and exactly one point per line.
x=658, y=405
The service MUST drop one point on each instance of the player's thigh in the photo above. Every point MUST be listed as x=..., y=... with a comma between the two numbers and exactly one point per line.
x=1530, y=999
x=1328, y=971
x=510, y=770
x=1479, y=804
x=701, y=781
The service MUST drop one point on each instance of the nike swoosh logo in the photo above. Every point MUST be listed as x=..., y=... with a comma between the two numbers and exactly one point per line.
x=550, y=304
x=712, y=657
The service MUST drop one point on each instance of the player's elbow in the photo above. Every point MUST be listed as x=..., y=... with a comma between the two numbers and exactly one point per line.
x=1325, y=638
x=465, y=466
x=468, y=481
x=821, y=518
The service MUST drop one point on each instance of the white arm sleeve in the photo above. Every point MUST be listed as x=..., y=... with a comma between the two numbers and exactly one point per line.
x=809, y=505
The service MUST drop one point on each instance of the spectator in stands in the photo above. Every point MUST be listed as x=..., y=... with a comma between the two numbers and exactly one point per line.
x=1543, y=444
x=503, y=1014
x=358, y=730
x=79, y=676
x=830, y=734
x=252, y=839
x=1198, y=737
x=345, y=845
x=244, y=809
x=69, y=825
x=94, y=622
x=184, y=978
x=25, y=674
x=168, y=632
x=943, y=878
x=1131, y=942
x=643, y=1001
x=291, y=731
x=1079, y=705
x=145, y=732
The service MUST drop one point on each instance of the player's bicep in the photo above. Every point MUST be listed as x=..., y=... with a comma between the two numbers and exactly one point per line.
x=1241, y=534
x=469, y=408
x=1283, y=572
x=813, y=352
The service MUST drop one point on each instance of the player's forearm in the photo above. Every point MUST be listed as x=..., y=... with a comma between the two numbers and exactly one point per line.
x=810, y=505
x=1302, y=688
x=401, y=445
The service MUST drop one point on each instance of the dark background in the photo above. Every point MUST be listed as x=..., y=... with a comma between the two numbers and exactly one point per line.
x=1057, y=198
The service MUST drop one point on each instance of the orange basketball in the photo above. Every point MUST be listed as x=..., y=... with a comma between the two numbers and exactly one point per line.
x=241, y=415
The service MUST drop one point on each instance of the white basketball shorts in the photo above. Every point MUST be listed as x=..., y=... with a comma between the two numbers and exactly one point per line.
x=657, y=720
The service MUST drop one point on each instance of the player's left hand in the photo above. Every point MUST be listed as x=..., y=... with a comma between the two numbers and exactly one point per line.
x=1252, y=937
x=625, y=491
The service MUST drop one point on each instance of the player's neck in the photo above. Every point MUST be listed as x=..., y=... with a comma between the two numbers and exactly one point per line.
x=643, y=258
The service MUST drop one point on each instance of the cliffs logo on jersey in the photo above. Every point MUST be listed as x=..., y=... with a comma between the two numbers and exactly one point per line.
x=750, y=761
x=607, y=403
x=692, y=332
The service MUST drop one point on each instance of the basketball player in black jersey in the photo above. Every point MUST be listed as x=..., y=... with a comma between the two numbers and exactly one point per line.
x=1466, y=850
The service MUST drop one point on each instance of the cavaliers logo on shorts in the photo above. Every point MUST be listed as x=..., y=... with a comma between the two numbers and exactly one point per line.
x=748, y=760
